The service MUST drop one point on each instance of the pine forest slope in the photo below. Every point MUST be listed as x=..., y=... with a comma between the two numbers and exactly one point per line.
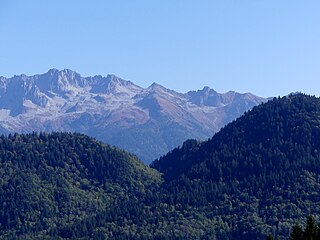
x=50, y=181
x=70, y=186
x=260, y=173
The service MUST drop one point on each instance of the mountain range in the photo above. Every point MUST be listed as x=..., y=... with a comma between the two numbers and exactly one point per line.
x=254, y=179
x=145, y=121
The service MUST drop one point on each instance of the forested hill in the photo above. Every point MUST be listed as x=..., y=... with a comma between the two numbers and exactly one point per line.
x=286, y=128
x=260, y=173
x=49, y=182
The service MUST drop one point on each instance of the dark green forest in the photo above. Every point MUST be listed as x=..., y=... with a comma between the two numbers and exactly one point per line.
x=260, y=173
x=257, y=178
x=311, y=231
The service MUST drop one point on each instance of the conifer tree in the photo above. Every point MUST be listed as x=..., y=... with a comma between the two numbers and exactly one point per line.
x=270, y=237
x=311, y=230
x=296, y=233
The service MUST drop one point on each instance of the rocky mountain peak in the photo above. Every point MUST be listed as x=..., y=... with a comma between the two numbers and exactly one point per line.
x=59, y=82
x=114, y=85
x=53, y=71
x=155, y=88
x=155, y=85
x=206, y=97
x=115, y=110
x=111, y=78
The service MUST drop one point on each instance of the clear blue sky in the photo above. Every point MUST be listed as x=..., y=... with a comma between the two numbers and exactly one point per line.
x=267, y=47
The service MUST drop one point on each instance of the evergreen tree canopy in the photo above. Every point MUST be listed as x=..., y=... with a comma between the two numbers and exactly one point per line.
x=260, y=171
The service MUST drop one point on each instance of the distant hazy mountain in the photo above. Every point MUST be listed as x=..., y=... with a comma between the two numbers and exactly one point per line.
x=145, y=121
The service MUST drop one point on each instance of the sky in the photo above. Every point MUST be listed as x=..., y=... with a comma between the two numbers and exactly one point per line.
x=267, y=47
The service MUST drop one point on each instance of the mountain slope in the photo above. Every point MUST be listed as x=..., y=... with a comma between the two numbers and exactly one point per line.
x=116, y=111
x=51, y=181
x=70, y=186
x=260, y=173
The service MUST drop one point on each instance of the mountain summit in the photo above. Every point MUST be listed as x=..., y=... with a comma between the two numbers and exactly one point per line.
x=146, y=121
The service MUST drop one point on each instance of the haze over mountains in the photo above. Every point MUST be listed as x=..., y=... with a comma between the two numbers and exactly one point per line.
x=146, y=121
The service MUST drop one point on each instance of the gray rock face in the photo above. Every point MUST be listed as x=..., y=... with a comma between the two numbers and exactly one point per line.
x=146, y=121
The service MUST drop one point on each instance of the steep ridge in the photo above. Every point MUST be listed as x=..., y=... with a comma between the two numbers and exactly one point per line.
x=115, y=111
x=259, y=174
